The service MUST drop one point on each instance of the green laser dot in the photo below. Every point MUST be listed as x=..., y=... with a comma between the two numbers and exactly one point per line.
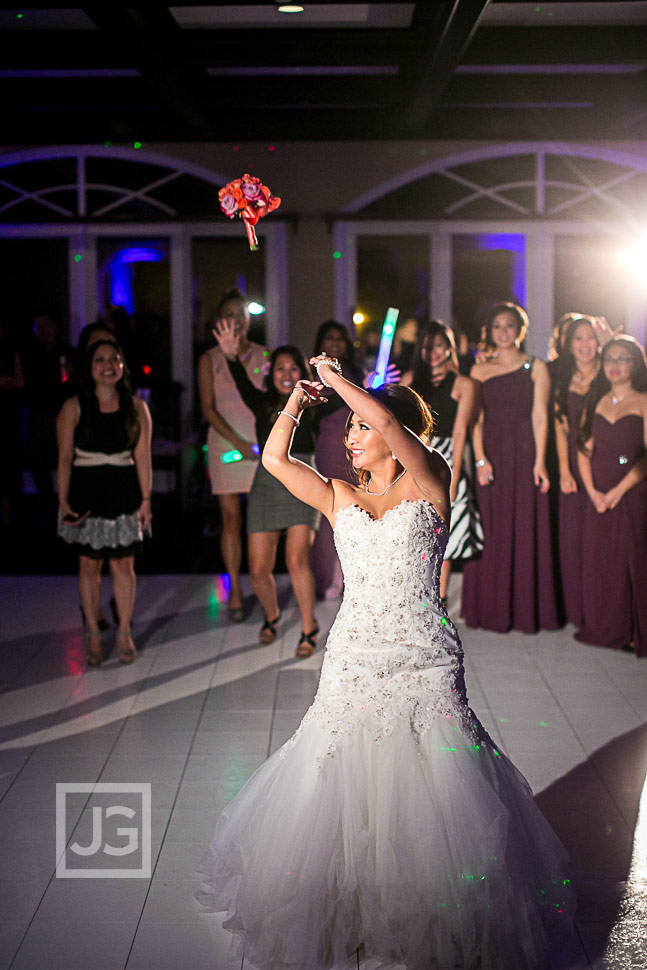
x=443, y=622
x=137, y=144
x=78, y=258
x=107, y=144
x=257, y=370
x=19, y=16
x=336, y=254
x=266, y=353
x=503, y=720
x=543, y=724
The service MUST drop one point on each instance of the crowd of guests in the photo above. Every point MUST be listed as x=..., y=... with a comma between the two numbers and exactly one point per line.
x=549, y=486
x=514, y=429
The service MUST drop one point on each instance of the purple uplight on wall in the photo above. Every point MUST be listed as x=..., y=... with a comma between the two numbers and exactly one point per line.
x=511, y=242
x=121, y=273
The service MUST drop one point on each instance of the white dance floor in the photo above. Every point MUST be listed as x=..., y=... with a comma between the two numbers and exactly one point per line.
x=201, y=708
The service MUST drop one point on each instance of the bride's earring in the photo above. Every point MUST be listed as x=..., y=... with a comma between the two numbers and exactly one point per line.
x=393, y=457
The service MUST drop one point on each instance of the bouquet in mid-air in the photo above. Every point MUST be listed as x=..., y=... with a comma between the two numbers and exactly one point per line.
x=248, y=198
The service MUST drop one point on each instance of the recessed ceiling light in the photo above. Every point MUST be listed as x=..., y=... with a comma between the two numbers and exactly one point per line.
x=290, y=8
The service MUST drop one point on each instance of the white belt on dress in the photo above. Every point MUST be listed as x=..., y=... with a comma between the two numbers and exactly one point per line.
x=88, y=459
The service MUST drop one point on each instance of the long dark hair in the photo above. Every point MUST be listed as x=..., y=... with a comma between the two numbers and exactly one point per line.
x=274, y=397
x=433, y=329
x=487, y=344
x=349, y=368
x=600, y=385
x=566, y=365
x=555, y=343
x=90, y=404
x=404, y=404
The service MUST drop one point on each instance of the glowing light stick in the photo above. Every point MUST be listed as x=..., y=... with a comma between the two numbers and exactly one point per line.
x=384, y=352
x=235, y=455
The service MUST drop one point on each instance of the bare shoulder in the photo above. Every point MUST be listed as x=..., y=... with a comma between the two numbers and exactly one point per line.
x=71, y=409
x=142, y=408
x=343, y=494
x=539, y=368
x=463, y=385
x=439, y=467
x=481, y=371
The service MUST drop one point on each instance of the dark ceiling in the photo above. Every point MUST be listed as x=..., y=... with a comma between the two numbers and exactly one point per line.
x=466, y=69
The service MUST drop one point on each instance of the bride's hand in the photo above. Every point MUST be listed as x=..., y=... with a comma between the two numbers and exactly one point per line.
x=326, y=364
x=228, y=340
x=309, y=393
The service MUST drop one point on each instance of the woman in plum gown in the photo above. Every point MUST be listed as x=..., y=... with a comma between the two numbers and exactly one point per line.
x=390, y=823
x=577, y=367
x=613, y=469
x=512, y=584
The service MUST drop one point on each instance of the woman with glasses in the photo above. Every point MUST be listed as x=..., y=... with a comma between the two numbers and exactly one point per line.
x=613, y=467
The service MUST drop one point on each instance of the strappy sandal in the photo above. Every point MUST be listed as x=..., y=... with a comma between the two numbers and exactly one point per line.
x=307, y=644
x=268, y=630
x=125, y=647
x=93, y=649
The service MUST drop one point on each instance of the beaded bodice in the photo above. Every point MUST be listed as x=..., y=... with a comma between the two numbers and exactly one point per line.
x=392, y=652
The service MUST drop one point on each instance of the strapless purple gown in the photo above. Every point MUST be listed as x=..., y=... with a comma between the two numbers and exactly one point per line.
x=512, y=584
x=614, y=575
x=571, y=521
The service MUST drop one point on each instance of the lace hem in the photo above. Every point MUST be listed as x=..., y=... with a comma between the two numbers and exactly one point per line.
x=98, y=533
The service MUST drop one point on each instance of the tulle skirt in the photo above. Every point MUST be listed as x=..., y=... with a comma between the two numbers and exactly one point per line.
x=430, y=855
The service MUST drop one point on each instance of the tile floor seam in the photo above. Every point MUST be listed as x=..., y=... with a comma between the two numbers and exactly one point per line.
x=589, y=760
x=170, y=814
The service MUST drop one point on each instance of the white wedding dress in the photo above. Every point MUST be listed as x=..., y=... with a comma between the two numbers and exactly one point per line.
x=390, y=821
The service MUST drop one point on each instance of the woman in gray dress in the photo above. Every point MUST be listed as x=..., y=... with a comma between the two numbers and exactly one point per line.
x=271, y=508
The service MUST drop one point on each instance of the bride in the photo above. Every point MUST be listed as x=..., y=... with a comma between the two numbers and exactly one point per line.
x=390, y=824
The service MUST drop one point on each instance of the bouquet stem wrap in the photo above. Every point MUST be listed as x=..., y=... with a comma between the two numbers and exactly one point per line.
x=248, y=198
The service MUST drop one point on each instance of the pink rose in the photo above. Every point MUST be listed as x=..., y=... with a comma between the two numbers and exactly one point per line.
x=251, y=191
x=229, y=205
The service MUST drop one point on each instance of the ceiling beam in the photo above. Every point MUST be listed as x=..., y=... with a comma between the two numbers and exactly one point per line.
x=439, y=56
x=149, y=36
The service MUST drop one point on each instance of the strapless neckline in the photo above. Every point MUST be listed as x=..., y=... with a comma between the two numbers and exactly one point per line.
x=618, y=420
x=405, y=501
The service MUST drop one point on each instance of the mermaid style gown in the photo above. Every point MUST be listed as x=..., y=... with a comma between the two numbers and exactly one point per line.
x=390, y=820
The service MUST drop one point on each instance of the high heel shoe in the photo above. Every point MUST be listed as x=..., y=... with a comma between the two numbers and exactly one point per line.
x=125, y=647
x=307, y=644
x=93, y=649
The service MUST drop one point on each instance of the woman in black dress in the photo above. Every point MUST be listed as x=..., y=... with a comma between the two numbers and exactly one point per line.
x=105, y=479
x=451, y=397
x=271, y=509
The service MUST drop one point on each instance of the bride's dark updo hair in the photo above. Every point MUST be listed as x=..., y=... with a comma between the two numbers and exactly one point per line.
x=407, y=406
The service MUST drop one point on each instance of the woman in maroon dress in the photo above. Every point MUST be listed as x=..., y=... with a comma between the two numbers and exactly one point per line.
x=578, y=365
x=613, y=468
x=512, y=584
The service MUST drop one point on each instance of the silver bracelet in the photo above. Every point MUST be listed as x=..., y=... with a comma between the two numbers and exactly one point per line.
x=297, y=421
x=481, y=462
x=330, y=362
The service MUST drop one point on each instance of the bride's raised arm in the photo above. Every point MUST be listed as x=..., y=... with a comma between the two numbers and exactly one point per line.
x=428, y=469
x=300, y=479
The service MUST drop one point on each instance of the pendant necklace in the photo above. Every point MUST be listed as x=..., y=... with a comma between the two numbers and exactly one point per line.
x=395, y=480
x=616, y=398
